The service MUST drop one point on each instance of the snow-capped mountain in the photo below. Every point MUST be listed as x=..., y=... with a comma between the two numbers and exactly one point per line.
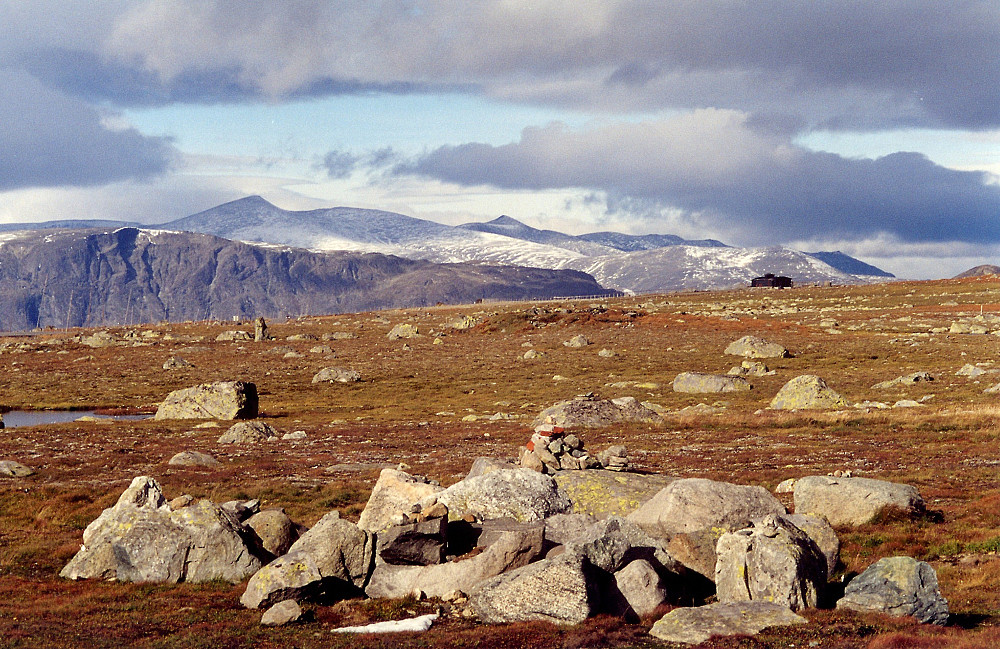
x=511, y=227
x=698, y=267
x=646, y=263
x=253, y=219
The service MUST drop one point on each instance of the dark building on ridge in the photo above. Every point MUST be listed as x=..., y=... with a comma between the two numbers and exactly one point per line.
x=773, y=281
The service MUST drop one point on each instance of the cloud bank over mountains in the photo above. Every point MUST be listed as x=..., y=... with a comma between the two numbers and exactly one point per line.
x=698, y=107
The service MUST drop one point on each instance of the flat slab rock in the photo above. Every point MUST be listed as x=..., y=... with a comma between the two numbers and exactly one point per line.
x=609, y=493
x=701, y=383
x=590, y=412
x=853, y=501
x=698, y=624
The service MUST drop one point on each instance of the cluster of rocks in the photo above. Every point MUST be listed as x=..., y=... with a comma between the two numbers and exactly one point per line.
x=550, y=450
x=509, y=545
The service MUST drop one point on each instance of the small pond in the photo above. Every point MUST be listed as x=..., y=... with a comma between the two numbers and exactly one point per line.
x=16, y=418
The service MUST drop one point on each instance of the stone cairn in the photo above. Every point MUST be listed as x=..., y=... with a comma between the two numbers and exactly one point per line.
x=550, y=449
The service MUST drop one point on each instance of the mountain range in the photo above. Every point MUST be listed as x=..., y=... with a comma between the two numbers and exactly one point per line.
x=95, y=277
x=249, y=257
x=643, y=263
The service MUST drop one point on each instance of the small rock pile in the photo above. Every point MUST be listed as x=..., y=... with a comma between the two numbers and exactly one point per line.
x=550, y=450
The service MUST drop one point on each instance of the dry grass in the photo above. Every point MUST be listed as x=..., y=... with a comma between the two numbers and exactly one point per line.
x=409, y=409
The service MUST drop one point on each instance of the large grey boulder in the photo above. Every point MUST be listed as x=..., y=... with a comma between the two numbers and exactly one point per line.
x=394, y=494
x=853, y=501
x=754, y=347
x=336, y=375
x=909, y=379
x=141, y=538
x=521, y=494
x=275, y=530
x=248, y=432
x=589, y=411
x=774, y=561
x=613, y=543
x=607, y=493
x=403, y=330
x=898, y=586
x=193, y=458
x=514, y=549
x=807, y=392
x=694, y=625
x=822, y=534
x=12, y=469
x=416, y=543
x=221, y=400
x=333, y=559
x=694, y=512
x=701, y=383
x=641, y=589
x=562, y=590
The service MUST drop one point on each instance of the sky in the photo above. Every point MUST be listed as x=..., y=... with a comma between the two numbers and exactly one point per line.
x=867, y=127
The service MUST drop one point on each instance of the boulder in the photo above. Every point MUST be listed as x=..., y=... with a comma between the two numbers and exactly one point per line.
x=693, y=504
x=563, y=528
x=222, y=400
x=562, y=590
x=589, y=411
x=12, y=469
x=193, y=458
x=754, y=347
x=970, y=370
x=613, y=543
x=403, y=330
x=604, y=493
x=484, y=465
x=898, y=586
x=773, y=561
x=822, y=534
x=514, y=549
x=175, y=363
x=694, y=625
x=909, y=379
x=248, y=432
x=578, y=340
x=640, y=588
x=282, y=613
x=333, y=559
x=417, y=543
x=700, y=383
x=141, y=538
x=521, y=494
x=233, y=335
x=394, y=494
x=275, y=530
x=336, y=375
x=853, y=501
x=260, y=330
x=693, y=513
x=750, y=368
x=807, y=392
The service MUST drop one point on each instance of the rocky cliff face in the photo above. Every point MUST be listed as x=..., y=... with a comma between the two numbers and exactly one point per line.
x=98, y=277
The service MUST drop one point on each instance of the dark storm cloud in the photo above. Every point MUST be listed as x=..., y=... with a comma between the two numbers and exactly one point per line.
x=50, y=139
x=841, y=63
x=736, y=177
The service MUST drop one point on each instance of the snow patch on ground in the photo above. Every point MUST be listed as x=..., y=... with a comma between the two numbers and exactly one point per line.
x=421, y=623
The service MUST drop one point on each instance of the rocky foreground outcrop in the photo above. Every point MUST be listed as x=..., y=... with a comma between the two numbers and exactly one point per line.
x=142, y=538
x=504, y=542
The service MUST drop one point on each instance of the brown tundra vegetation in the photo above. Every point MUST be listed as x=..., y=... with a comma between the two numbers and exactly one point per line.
x=431, y=403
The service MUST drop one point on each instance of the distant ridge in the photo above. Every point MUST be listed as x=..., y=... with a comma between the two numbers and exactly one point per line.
x=848, y=264
x=979, y=271
x=634, y=242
